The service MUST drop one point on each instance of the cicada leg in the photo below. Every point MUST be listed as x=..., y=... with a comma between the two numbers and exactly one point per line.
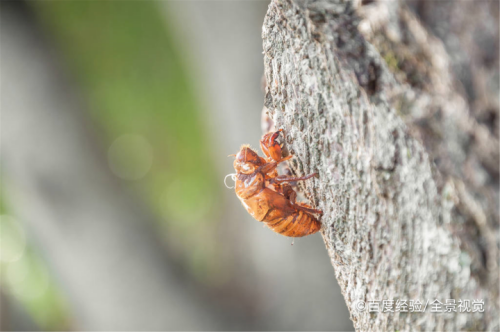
x=307, y=208
x=285, y=178
x=270, y=146
x=291, y=195
x=270, y=167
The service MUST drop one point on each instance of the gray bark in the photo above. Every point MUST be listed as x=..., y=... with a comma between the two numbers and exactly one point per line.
x=406, y=174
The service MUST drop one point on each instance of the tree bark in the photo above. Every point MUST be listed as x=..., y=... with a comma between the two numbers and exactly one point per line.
x=398, y=157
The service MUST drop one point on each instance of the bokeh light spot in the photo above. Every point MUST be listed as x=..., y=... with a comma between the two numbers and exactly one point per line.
x=27, y=279
x=17, y=272
x=130, y=157
x=12, y=239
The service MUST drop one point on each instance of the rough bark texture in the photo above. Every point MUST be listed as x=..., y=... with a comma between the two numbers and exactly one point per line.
x=407, y=177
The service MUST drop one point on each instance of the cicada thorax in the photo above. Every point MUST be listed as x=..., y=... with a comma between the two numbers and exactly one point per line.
x=248, y=185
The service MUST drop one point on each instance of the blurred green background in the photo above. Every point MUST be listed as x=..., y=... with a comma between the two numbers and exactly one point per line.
x=139, y=96
x=134, y=81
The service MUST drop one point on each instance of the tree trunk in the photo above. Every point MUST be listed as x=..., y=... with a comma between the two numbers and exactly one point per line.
x=407, y=177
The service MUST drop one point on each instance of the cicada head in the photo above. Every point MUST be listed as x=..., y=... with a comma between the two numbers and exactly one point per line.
x=247, y=160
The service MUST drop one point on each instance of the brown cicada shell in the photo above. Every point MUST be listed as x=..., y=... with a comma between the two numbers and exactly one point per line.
x=269, y=197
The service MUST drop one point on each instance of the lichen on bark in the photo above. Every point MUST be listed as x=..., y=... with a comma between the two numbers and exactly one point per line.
x=386, y=224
